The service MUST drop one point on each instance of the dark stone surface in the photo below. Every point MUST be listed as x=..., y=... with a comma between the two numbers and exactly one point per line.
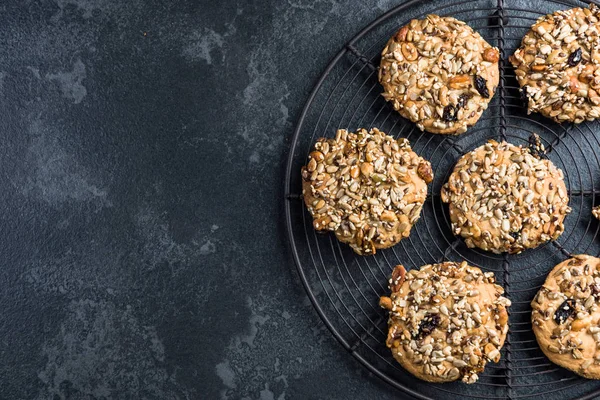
x=143, y=145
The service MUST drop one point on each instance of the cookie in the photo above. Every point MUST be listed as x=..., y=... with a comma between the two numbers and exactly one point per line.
x=366, y=187
x=596, y=212
x=502, y=198
x=439, y=73
x=566, y=315
x=446, y=321
x=558, y=65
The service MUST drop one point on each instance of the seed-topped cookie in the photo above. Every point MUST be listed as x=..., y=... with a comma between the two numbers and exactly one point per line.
x=596, y=212
x=366, y=187
x=566, y=315
x=558, y=65
x=439, y=73
x=503, y=198
x=446, y=321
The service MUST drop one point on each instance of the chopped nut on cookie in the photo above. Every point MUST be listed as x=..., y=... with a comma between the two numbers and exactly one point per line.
x=447, y=321
x=367, y=187
x=566, y=315
x=503, y=198
x=558, y=65
x=439, y=73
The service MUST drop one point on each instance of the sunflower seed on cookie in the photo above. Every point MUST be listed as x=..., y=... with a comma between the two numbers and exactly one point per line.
x=565, y=316
x=447, y=321
x=366, y=187
x=439, y=73
x=504, y=199
x=558, y=65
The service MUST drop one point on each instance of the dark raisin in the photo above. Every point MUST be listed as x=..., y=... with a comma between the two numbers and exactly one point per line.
x=515, y=235
x=574, y=58
x=428, y=324
x=481, y=86
x=449, y=114
x=564, y=311
x=462, y=100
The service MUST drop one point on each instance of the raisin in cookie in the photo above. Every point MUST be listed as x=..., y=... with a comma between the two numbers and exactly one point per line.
x=503, y=198
x=366, y=187
x=566, y=315
x=558, y=65
x=446, y=321
x=439, y=73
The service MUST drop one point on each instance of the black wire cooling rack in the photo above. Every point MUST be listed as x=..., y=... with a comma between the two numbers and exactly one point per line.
x=345, y=288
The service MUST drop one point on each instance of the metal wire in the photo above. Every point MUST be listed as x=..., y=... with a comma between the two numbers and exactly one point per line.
x=345, y=288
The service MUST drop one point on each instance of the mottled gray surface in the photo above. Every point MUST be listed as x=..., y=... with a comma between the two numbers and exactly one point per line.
x=144, y=254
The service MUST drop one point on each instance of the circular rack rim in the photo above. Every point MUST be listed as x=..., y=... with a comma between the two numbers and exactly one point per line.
x=290, y=197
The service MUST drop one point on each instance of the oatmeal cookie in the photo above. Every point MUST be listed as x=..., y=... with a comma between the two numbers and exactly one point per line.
x=558, y=65
x=439, y=73
x=446, y=321
x=566, y=315
x=504, y=199
x=366, y=187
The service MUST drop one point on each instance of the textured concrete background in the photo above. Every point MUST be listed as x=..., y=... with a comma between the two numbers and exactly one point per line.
x=142, y=155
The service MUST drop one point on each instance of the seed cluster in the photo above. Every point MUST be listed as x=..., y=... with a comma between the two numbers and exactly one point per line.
x=446, y=321
x=596, y=212
x=504, y=199
x=557, y=65
x=439, y=73
x=565, y=315
x=367, y=187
